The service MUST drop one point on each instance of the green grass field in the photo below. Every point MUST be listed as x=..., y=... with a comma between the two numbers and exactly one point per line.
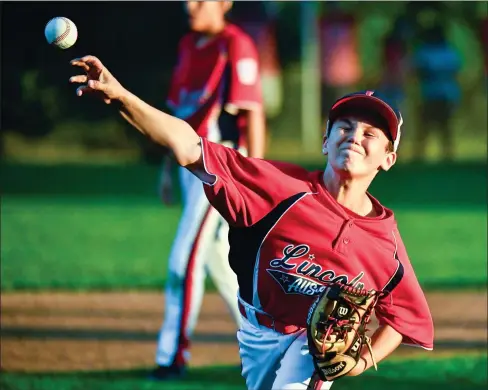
x=88, y=228
x=467, y=373
x=110, y=243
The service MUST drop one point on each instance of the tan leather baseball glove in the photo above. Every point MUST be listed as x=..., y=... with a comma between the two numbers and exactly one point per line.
x=336, y=329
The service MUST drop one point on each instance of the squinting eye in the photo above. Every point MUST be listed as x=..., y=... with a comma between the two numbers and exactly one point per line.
x=370, y=135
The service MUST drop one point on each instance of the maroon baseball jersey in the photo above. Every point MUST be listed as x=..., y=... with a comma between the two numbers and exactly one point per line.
x=289, y=237
x=213, y=80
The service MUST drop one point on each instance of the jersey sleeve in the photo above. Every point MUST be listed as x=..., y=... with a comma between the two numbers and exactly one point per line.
x=243, y=189
x=406, y=309
x=245, y=82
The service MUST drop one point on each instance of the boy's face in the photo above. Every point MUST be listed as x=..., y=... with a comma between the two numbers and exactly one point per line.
x=205, y=16
x=357, y=146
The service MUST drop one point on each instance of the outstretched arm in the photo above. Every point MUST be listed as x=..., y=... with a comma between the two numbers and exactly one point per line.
x=162, y=128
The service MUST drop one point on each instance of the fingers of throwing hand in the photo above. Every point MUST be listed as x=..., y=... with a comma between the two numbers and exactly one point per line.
x=97, y=85
x=80, y=64
x=81, y=90
x=79, y=79
x=92, y=60
x=87, y=60
x=92, y=86
x=87, y=63
x=91, y=80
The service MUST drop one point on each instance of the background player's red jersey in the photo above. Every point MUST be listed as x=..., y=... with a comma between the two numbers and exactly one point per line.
x=213, y=80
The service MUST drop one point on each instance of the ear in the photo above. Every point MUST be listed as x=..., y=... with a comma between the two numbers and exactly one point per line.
x=325, y=152
x=388, y=161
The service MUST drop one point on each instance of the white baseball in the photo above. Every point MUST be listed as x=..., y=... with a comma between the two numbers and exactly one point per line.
x=61, y=32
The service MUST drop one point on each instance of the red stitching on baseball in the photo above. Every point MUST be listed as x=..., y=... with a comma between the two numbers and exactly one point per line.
x=65, y=34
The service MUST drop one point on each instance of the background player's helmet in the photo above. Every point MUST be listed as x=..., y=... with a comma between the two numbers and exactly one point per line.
x=369, y=100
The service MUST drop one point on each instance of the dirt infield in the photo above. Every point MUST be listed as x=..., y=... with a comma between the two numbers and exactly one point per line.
x=114, y=331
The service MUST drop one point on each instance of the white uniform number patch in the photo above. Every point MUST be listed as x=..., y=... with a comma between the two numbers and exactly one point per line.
x=247, y=71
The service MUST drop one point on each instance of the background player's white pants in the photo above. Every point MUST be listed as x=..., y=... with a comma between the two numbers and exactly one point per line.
x=271, y=360
x=201, y=246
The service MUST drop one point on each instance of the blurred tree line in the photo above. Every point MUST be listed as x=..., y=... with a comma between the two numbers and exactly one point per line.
x=137, y=41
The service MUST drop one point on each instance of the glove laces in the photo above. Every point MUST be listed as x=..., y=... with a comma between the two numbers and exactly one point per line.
x=342, y=327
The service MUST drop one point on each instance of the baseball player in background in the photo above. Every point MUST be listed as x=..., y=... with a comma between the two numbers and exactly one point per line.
x=293, y=231
x=216, y=89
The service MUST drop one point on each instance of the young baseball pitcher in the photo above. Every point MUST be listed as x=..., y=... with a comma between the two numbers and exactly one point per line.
x=216, y=89
x=314, y=252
